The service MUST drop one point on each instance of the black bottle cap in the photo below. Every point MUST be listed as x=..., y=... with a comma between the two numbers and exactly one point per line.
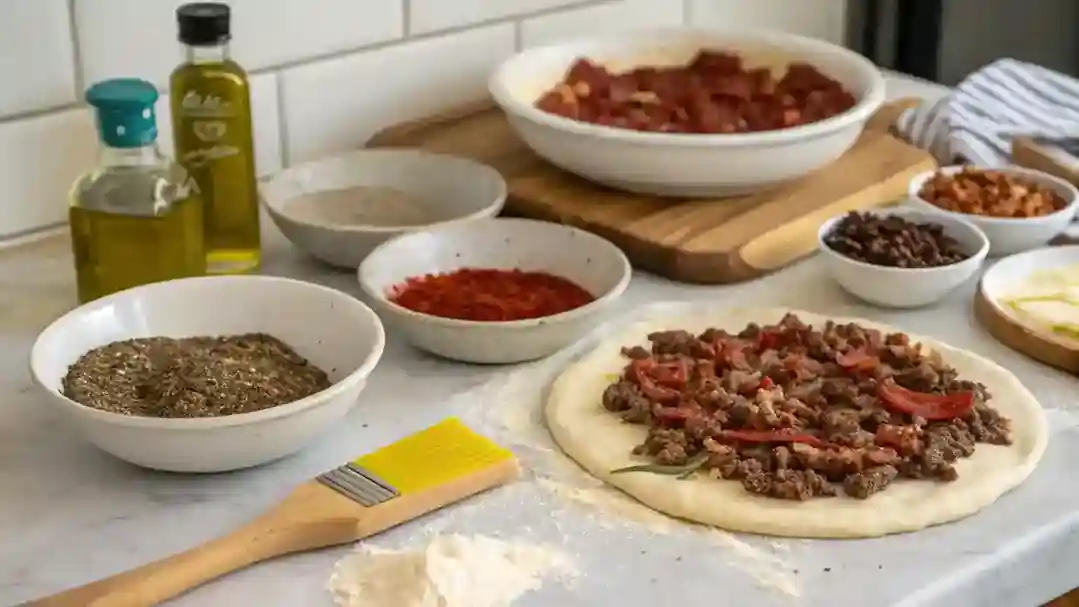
x=203, y=23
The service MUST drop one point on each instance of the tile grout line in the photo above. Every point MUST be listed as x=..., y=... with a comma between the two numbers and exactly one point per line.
x=414, y=37
x=276, y=69
x=282, y=122
x=278, y=72
x=33, y=235
x=40, y=112
x=76, y=53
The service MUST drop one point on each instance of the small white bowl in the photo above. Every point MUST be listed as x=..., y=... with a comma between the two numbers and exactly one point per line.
x=448, y=188
x=680, y=164
x=1007, y=235
x=333, y=330
x=586, y=259
x=906, y=287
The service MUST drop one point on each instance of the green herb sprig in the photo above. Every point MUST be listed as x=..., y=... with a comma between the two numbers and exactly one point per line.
x=682, y=471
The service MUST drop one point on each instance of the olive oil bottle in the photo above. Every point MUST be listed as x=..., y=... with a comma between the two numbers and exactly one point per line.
x=137, y=217
x=211, y=122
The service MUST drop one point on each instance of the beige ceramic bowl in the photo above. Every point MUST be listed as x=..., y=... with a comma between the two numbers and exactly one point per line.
x=338, y=209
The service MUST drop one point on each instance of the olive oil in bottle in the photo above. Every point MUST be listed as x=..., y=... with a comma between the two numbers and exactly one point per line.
x=136, y=218
x=211, y=123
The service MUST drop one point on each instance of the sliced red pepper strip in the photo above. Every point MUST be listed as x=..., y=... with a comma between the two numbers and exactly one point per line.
x=857, y=360
x=766, y=340
x=638, y=370
x=673, y=374
x=677, y=414
x=774, y=436
x=766, y=383
x=659, y=393
x=926, y=406
x=730, y=353
x=660, y=375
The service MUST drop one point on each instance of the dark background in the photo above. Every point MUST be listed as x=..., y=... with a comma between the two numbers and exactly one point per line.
x=944, y=40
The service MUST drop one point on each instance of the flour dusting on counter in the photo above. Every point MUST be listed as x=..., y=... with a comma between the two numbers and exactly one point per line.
x=615, y=506
x=510, y=410
x=450, y=571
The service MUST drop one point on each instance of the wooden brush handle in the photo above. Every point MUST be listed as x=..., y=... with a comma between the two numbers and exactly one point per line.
x=311, y=517
x=290, y=527
x=159, y=581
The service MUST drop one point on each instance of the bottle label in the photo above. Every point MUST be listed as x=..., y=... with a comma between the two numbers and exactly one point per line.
x=195, y=105
x=213, y=138
x=209, y=117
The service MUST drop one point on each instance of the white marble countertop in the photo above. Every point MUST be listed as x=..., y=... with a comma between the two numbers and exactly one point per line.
x=70, y=514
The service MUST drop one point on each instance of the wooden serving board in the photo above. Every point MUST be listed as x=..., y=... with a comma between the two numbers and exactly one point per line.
x=1025, y=336
x=699, y=241
x=1024, y=339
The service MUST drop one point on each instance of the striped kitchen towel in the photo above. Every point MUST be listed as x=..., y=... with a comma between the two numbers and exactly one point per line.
x=1006, y=98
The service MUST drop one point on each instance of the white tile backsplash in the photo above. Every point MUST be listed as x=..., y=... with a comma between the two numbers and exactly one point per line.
x=40, y=158
x=433, y=15
x=824, y=19
x=605, y=18
x=138, y=37
x=36, y=56
x=327, y=73
x=332, y=106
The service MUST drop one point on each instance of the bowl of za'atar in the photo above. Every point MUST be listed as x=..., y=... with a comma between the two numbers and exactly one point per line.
x=788, y=423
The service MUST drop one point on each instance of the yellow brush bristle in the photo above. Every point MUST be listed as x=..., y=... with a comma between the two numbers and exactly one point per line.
x=440, y=454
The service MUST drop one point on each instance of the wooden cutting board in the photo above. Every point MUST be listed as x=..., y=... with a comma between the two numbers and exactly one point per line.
x=698, y=241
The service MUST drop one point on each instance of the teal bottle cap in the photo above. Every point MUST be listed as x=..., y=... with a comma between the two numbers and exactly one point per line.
x=125, y=111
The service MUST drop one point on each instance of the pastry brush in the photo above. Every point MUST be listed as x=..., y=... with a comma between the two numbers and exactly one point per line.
x=416, y=475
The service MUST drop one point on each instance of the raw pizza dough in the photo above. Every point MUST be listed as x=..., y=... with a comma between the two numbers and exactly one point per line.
x=599, y=441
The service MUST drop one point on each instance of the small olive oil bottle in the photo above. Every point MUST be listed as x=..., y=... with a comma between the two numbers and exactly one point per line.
x=211, y=122
x=136, y=218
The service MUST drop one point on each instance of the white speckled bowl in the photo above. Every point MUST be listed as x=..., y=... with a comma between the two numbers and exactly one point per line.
x=1008, y=236
x=452, y=189
x=906, y=287
x=586, y=259
x=333, y=330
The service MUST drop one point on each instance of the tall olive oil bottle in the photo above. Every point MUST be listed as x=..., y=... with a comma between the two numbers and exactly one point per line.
x=211, y=121
x=136, y=218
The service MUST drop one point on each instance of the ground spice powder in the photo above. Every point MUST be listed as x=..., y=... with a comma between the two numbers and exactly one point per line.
x=192, y=376
x=490, y=295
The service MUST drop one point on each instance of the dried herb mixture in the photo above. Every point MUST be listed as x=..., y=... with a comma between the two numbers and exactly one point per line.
x=192, y=376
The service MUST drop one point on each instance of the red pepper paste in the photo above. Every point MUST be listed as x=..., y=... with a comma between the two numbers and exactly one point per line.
x=489, y=295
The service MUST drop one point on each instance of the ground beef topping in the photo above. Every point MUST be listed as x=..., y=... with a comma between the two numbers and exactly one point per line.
x=795, y=412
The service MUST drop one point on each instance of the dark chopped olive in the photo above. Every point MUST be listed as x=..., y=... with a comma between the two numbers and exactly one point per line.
x=892, y=241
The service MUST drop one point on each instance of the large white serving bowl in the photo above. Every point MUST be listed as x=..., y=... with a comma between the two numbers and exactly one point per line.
x=333, y=330
x=586, y=259
x=1006, y=235
x=890, y=287
x=450, y=188
x=684, y=165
